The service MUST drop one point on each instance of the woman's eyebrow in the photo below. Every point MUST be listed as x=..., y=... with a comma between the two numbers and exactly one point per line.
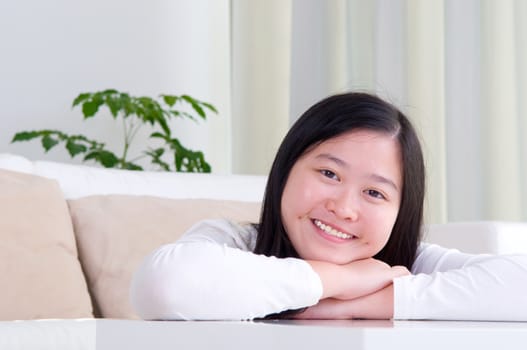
x=374, y=177
x=332, y=158
x=382, y=179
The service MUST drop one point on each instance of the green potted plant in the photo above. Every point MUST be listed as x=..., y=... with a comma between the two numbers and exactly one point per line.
x=135, y=113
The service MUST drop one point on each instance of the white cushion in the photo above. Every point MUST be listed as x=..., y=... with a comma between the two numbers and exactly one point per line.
x=78, y=181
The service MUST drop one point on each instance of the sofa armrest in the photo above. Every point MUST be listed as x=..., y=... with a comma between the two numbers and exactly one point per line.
x=493, y=237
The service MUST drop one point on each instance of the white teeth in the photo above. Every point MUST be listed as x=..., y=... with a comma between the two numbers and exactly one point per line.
x=331, y=231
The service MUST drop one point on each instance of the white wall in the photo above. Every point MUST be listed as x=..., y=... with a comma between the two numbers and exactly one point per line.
x=53, y=50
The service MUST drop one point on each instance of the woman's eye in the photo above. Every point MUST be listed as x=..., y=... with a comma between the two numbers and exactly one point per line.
x=329, y=174
x=375, y=194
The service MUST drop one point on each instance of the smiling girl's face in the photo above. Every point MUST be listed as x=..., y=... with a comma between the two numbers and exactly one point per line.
x=342, y=197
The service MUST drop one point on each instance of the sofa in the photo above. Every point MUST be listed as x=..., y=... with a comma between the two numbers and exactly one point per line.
x=72, y=235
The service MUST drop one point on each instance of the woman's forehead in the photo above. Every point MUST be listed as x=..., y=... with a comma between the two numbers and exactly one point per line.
x=374, y=152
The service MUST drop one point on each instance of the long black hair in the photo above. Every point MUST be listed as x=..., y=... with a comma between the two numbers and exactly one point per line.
x=329, y=118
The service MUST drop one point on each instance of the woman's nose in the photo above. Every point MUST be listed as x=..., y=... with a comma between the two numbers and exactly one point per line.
x=345, y=206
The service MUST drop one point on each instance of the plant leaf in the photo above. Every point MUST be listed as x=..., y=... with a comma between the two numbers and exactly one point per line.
x=209, y=106
x=175, y=113
x=107, y=159
x=75, y=148
x=158, y=135
x=114, y=104
x=127, y=104
x=48, y=142
x=189, y=116
x=131, y=166
x=170, y=100
x=81, y=98
x=195, y=105
x=92, y=155
x=104, y=157
x=25, y=136
x=89, y=109
x=155, y=155
x=163, y=123
x=152, y=112
x=186, y=160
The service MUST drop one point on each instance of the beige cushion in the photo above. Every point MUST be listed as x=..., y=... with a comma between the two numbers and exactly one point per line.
x=40, y=275
x=115, y=232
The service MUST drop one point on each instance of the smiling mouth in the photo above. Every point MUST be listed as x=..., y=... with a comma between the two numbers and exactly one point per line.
x=331, y=231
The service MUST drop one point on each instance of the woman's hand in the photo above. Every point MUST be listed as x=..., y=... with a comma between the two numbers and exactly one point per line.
x=355, y=279
x=378, y=305
x=360, y=289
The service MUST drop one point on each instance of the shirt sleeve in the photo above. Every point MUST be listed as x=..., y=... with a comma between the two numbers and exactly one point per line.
x=450, y=285
x=212, y=274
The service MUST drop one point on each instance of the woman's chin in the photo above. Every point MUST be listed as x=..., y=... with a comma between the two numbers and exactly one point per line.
x=337, y=260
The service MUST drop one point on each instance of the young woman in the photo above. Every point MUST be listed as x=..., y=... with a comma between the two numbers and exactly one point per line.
x=338, y=237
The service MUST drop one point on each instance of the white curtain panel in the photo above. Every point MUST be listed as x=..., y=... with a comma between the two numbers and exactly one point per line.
x=458, y=69
x=260, y=64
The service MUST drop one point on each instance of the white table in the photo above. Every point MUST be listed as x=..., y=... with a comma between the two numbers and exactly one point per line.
x=106, y=334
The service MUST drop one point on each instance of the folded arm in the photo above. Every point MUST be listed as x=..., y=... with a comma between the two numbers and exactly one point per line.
x=449, y=285
x=212, y=274
x=207, y=281
x=446, y=285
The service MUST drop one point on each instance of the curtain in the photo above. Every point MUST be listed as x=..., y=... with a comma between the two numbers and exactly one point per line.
x=458, y=69
x=260, y=71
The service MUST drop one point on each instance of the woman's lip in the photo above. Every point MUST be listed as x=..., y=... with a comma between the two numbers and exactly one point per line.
x=331, y=237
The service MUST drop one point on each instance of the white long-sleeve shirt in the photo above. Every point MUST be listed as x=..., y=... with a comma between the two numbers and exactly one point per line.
x=212, y=274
